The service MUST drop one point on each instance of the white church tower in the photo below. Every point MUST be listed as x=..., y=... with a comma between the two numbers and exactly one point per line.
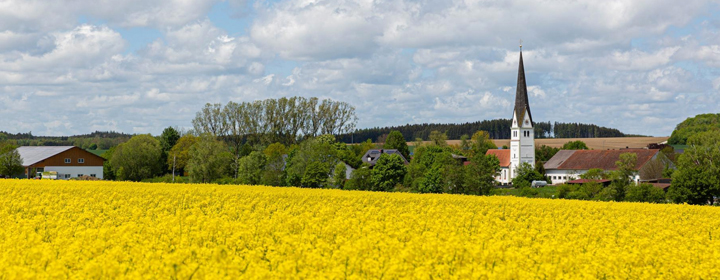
x=522, y=138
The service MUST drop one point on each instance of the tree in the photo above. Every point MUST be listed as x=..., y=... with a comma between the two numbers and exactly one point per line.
x=594, y=174
x=427, y=157
x=137, y=159
x=389, y=170
x=251, y=168
x=339, y=175
x=438, y=138
x=645, y=193
x=168, y=139
x=395, y=140
x=544, y=153
x=433, y=181
x=360, y=179
x=316, y=175
x=481, y=142
x=575, y=145
x=10, y=161
x=622, y=177
x=319, y=150
x=209, y=159
x=525, y=174
x=179, y=154
x=480, y=175
x=108, y=172
x=697, y=179
x=693, y=126
x=273, y=173
x=93, y=146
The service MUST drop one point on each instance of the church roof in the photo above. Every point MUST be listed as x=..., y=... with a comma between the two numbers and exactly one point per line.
x=502, y=154
x=521, y=96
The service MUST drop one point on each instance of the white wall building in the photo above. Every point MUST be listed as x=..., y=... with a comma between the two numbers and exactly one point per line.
x=67, y=161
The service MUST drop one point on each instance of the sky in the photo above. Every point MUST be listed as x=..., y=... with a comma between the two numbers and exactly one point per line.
x=138, y=66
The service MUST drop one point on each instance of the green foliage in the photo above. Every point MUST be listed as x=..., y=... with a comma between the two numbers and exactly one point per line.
x=438, y=138
x=697, y=179
x=389, y=170
x=310, y=151
x=93, y=146
x=565, y=189
x=594, y=174
x=137, y=159
x=273, y=175
x=480, y=175
x=528, y=192
x=316, y=175
x=692, y=126
x=481, y=142
x=179, y=154
x=544, y=153
x=346, y=153
x=525, y=174
x=395, y=140
x=108, y=172
x=645, y=193
x=426, y=158
x=360, y=179
x=10, y=161
x=251, y=168
x=575, y=145
x=339, y=175
x=433, y=181
x=209, y=160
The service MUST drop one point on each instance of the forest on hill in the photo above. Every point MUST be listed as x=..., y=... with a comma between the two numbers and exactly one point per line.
x=497, y=129
x=692, y=126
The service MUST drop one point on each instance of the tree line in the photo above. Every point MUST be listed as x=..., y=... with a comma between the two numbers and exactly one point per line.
x=497, y=129
x=101, y=140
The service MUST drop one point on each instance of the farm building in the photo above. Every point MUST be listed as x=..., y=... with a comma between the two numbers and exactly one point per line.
x=67, y=161
x=568, y=165
x=504, y=156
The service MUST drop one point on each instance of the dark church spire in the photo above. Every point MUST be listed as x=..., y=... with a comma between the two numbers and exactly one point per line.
x=521, y=96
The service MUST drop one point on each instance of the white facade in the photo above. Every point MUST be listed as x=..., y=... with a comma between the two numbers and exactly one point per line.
x=522, y=143
x=67, y=172
x=560, y=176
x=504, y=176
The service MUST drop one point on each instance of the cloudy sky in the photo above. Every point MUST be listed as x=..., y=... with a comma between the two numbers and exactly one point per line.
x=137, y=66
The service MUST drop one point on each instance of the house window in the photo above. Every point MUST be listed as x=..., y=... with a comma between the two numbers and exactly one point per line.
x=67, y=160
x=81, y=160
x=67, y=176
x=80, y=175
x=92, y=175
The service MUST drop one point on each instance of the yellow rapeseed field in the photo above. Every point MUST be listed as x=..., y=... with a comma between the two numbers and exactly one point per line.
x=110, y=230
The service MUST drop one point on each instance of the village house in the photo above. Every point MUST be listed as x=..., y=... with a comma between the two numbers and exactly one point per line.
x=568, y=165
x=372, y=155
x=67, y=161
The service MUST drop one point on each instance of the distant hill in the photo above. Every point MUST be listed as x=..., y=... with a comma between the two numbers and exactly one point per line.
x=694, y=125
x=498, y=129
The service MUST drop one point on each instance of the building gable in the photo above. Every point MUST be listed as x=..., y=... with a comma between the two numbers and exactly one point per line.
x=42, y=156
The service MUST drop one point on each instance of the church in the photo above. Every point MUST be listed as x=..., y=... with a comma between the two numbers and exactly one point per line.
x=522, y=138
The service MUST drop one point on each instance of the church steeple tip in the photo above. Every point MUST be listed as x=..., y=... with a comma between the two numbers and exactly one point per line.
x=521, y=96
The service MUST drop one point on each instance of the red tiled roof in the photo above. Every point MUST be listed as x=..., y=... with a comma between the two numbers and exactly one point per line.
x=603, y=159
x=502, y=154
x=661, y=185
